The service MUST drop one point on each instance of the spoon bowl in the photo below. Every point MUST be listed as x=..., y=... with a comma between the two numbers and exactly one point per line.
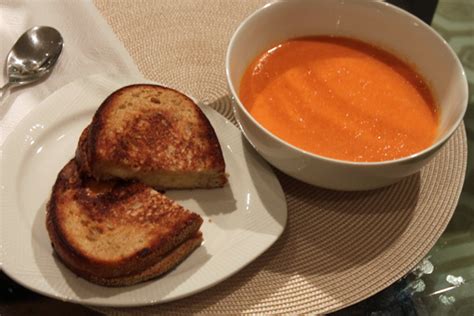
x=33, y=56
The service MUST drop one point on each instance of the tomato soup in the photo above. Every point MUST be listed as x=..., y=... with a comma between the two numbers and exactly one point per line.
x=340, y=98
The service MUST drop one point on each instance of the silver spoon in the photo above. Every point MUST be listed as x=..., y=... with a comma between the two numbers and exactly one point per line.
x=32, y=57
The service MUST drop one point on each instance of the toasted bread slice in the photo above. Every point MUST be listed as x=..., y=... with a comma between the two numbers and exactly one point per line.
x=156, y=135
x=117, y=233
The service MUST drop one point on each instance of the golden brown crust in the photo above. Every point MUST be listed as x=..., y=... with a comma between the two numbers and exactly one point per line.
x=82, y=158
x=162, y=266
x=144, y=129
x=112, y=229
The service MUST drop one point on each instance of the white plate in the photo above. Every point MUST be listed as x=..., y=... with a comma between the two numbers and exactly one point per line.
x=240, y=221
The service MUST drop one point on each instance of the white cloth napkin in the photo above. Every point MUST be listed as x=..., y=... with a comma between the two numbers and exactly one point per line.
x=90, y=47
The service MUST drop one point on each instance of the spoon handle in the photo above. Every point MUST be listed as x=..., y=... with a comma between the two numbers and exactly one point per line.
x=5, y=91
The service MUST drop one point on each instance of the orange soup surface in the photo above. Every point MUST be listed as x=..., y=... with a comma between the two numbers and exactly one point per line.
x=340, y=98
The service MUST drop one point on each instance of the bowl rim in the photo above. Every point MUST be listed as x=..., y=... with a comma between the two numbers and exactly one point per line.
x=378, y=4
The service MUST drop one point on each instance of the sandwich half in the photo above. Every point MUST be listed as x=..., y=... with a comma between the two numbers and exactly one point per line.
x=117, y=233
x=156, y=135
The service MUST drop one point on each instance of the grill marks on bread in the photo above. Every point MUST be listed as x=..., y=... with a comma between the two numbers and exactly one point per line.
x=144, y=129
x=116, y=230
x=165, y=138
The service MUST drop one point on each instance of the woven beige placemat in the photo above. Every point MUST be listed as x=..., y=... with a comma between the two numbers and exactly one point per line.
x=338, y=248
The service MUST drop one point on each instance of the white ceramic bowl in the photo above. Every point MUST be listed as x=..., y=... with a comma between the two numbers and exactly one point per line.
x=379, y=23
